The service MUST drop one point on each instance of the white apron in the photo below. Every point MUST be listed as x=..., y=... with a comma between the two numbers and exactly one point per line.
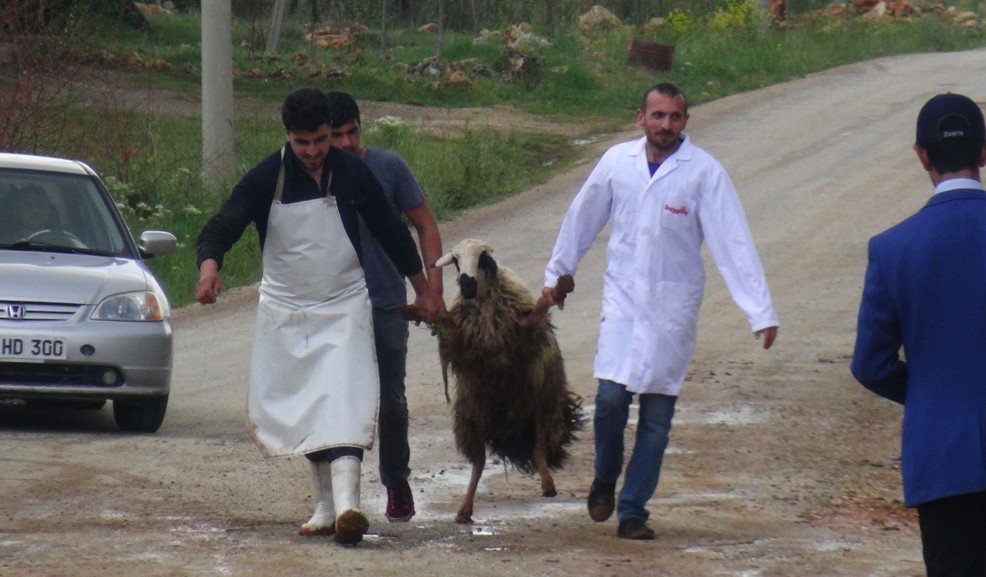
x=314, y=382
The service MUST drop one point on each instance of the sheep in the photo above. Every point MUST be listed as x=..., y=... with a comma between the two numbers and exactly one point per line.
x=511, y=393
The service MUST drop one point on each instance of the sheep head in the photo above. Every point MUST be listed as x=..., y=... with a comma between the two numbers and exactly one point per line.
x=473, y=259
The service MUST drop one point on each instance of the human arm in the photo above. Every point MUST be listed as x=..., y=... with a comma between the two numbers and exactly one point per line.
x=876, y=361
x=430, y=241
x=216, y=238
x=731, y=244
x=221, y=232
x=247, y=203
x=585, y=218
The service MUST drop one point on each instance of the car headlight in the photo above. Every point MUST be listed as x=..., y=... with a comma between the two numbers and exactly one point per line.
x=135, y=306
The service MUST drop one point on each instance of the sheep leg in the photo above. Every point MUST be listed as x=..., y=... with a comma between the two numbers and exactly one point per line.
x=566, y=284
x=465, y=510
x=547, y=482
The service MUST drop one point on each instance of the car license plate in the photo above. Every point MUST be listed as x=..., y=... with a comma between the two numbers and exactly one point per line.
x=31, y=349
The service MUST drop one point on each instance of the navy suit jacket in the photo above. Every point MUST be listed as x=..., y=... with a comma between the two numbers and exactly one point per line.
x=925, y=291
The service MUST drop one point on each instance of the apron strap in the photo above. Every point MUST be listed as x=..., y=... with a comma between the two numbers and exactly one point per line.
x=279, y=188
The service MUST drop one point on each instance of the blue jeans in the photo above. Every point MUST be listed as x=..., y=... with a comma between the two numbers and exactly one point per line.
x=390, y=333
x=653, y=427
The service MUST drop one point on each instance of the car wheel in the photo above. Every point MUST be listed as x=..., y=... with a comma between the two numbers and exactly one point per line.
x=140, y=415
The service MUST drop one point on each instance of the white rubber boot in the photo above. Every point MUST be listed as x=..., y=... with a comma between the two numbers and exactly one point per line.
x=323, y=522
x=351, y=523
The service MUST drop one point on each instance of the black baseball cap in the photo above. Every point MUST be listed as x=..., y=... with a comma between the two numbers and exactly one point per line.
x=950, y=116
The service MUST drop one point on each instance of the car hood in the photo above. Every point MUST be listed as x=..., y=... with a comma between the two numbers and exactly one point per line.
x=68, y=278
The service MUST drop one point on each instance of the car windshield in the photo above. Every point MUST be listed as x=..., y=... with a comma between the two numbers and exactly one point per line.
x=48, y=211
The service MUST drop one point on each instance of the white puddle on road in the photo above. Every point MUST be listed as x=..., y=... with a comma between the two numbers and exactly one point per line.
x=437, y=495
x=736, y=415
x=112, y=514
x=198, y=528
x=827, y=546
x=10, y=543
x=697, y=498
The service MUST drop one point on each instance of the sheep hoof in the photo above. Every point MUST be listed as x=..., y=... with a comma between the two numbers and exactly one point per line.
x=463, y=518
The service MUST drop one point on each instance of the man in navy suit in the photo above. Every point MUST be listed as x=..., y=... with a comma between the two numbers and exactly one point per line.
x=925, y=291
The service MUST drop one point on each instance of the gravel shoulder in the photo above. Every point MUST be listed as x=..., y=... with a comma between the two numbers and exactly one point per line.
x=779, y=463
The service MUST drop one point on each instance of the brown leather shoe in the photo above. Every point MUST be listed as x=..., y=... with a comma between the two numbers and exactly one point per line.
x=601, y=500
x=634, y=528
x=400, y=502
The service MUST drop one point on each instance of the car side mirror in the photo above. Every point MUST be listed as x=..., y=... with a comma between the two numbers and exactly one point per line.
x=156, y=243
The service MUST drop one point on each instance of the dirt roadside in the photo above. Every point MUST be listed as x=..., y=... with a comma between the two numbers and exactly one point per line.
x=435, y=120
x=779, y=464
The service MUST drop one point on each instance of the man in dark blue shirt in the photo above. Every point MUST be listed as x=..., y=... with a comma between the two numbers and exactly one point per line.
x=388, y=293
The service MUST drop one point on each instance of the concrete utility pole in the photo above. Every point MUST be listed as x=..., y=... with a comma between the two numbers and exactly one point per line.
x=276, y=21
x=217, y=92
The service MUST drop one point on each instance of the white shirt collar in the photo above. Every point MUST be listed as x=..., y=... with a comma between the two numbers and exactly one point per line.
x=957, y=183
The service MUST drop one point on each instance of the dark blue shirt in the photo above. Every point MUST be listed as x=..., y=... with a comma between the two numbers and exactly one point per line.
x=385, y=283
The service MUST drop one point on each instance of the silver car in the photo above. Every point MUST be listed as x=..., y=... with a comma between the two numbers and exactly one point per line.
x=82, y=319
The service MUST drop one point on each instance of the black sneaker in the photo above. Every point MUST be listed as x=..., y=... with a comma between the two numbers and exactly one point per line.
x=601, y=501
x=634, y=528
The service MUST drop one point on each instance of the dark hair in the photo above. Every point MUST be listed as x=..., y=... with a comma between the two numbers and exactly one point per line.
x=305, y=110
x=665, y=88
x=954, y=155
x=342, y=109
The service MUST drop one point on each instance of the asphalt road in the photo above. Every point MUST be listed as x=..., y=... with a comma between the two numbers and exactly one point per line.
x=779, y=465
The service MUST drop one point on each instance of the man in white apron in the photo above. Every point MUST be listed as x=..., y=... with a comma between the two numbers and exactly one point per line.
x=314, y=384
x=663, y=196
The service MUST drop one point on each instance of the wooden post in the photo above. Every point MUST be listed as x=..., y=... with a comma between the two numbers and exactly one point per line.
x=217, y=92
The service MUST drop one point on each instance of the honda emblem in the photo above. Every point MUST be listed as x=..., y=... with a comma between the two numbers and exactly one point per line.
x=10, y=311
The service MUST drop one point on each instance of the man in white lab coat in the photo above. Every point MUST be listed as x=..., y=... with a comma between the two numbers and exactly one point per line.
x=663, y=196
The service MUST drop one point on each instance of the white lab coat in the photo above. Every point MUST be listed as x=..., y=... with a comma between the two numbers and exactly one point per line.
x=654, y=274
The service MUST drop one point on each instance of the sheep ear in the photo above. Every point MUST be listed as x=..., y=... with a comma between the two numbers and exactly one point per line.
x=487, y=263
x=445, y=260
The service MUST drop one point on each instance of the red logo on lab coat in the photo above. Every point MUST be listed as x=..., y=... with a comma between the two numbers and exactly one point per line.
x=673, y=210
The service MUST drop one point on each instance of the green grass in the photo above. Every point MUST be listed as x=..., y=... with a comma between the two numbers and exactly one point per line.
x=478, y=167
x=579, y=75
x=152, y=163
